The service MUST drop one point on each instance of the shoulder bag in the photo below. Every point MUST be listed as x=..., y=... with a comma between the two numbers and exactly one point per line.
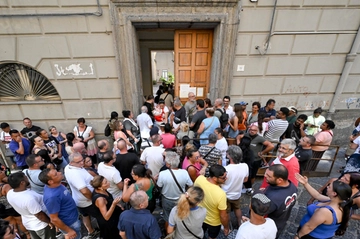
x=27, y=174
x=177, y=183
x=190, y=231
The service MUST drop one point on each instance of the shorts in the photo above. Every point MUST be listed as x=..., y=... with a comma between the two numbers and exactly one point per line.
x=232, y=204
x=167, y=205
x=213, y=231
x=87, y=211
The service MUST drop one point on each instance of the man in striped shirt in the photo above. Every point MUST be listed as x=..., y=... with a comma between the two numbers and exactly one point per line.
x=277, y=126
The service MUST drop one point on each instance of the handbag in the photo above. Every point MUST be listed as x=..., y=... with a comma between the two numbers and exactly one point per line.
x=156, y=192
x=81, y=136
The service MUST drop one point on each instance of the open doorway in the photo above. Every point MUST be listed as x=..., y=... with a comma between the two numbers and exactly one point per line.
x=162, y=68
x=156, y=56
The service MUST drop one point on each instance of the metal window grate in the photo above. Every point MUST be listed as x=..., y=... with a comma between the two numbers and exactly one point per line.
x=23, y=83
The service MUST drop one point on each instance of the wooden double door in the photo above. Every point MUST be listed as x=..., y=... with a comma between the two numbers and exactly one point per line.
x=193, y=51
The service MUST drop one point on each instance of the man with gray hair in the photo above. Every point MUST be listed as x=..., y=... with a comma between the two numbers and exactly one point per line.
x=190, y=107
x=138, y=222
x=172, y=182
x=218, y=107
x=237, y=174
x=79, y=181
x=145, y=123
x=210, y=153
x=286, y=157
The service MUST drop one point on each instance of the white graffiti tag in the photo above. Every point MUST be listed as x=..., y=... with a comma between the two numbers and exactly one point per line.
x=74, y=70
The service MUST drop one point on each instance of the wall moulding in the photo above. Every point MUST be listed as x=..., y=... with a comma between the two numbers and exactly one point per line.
x=173, y=3
x=129, y=16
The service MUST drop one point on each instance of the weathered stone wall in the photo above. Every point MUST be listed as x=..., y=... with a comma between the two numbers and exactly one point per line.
x=302, y=67
x=51, y=44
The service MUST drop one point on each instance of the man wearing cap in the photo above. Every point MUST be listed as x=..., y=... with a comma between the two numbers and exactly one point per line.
x=257, y=226
x=228, y=108
x=291, y=118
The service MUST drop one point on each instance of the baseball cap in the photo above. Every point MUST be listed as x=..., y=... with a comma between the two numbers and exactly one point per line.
x=154, y=130
x=243, y=103
x=293, y=109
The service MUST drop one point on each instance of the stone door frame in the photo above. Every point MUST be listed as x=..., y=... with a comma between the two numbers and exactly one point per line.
x=124, y=13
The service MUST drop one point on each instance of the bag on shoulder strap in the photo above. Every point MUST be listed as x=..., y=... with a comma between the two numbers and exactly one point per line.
x=107, y=130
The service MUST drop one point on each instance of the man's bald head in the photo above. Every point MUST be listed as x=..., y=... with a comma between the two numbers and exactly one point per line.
x=121, y=145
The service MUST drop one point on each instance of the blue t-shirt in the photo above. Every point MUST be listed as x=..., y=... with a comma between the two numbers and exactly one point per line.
x=20, y=158
x=210, y=125
x=59, y=200
x=268, y=113
x=139, y=224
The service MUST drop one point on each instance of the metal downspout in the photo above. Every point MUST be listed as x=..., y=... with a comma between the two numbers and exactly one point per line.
x=98, y=13
x=345, y=73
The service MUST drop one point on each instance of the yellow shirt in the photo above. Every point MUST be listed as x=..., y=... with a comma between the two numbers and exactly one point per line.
x=214, y=200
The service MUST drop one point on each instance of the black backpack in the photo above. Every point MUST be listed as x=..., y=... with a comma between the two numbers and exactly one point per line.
x=224, y=118
x=107, y=130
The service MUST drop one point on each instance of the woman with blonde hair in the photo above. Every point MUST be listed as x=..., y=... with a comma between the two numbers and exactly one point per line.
x=187, y=217
x=185, y=131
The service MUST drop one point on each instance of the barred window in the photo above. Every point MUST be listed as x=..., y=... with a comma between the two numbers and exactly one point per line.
x=19, y=82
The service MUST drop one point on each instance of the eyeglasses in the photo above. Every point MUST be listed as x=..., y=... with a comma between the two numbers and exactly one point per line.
x=223, y=177
x=82, y=160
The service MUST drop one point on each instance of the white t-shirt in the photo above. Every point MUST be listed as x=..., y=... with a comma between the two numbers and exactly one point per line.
x=144, y=121
x=153, y=158
x=28, y=203
x=230, y=112
x=357, y=141
x=236, y=173
x=79, y=178
x=5, y=137
x=222, y=145
x=247, y=230
x=169, y=188
x=112, y=175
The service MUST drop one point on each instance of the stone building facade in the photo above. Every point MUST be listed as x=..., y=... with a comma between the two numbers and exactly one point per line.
x=96, y=54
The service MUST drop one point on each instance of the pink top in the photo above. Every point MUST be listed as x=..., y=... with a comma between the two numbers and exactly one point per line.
x=168, y=140
x=186, y=164
x=322, y=138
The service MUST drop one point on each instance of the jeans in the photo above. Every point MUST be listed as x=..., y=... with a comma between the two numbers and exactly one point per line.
x=76, y=226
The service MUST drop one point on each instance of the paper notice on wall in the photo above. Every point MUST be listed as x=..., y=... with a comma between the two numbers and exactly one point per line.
x=192, y=89
x=200, y=92
x=184, y=90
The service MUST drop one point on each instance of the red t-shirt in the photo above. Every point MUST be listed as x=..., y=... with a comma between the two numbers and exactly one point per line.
x=168, y=140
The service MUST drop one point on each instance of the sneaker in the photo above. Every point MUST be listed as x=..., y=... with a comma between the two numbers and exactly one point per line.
x=59, y=234
x=249, y=191
x=94, y=234
x=243, y=190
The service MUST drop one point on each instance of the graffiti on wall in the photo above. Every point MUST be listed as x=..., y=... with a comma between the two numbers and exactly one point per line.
x=74, y=70
x=297, y=89
x=352, y=101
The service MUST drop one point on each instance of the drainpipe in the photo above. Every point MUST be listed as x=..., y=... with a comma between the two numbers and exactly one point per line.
x=345, y=73
x=98, y=13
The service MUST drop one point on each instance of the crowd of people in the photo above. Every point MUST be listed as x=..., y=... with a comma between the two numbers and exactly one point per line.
x=192, y=160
